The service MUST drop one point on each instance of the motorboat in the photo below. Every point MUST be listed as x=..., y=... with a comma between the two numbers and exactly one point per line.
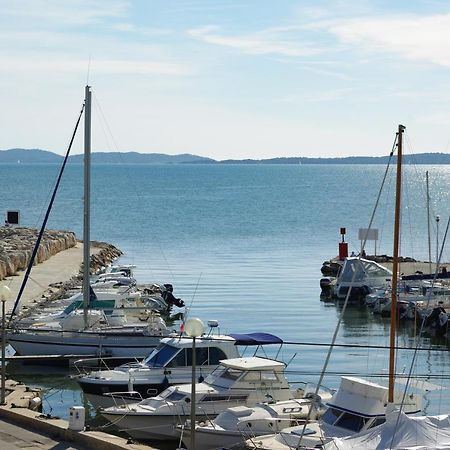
x=236, y=382
x=357, y=405
x=400, y=431
x=234, y=425
x=168, y=364
x=360, y=276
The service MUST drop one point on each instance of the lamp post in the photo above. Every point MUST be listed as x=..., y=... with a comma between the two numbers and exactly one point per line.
x=194, y=328
x=5, y=294
x=438, y=218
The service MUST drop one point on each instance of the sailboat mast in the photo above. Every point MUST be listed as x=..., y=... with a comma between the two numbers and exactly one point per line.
x=87, y=203
x=398, y=196
x=428, y=224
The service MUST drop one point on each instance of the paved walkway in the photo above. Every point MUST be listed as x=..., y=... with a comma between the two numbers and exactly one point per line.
x=15, y=437
x=60, y=267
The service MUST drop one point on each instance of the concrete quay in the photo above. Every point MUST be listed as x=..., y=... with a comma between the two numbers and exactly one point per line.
x=21, y=428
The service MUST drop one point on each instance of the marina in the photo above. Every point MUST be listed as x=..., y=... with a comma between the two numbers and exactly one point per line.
x=224, y=225
x=308, y=345
x=110, y=316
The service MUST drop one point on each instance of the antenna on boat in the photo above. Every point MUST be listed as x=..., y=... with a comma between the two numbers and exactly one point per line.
x=87, y=203
x=88, y=70
x=398, y=195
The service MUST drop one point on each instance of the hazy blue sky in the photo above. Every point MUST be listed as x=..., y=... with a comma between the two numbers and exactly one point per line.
x=227, y=79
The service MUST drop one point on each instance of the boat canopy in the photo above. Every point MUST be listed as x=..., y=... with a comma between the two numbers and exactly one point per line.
x=256, y=339
x=364, y=268
x=400, y=432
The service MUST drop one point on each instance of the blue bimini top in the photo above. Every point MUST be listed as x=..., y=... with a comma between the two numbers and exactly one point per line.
x=256, y=339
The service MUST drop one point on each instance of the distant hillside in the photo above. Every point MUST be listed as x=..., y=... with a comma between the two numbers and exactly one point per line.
x=420, y=158
x=140, y=158
x=31, y=156
x=36, y=156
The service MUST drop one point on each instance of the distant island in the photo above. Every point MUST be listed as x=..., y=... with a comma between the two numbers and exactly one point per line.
x=37, y=156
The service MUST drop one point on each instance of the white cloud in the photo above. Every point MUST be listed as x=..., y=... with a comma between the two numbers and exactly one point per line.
x=73, y=12
x=98, y=66
x=277, y=40
x=126, y=27
x=413, y=37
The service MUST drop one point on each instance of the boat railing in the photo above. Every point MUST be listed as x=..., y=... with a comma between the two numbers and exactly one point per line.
x=87, y=365
x=122, y=399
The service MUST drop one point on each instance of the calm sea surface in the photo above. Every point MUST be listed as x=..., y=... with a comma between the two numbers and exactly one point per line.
x=244, y=244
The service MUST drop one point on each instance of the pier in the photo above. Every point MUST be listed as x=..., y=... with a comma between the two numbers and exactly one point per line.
x=22, y=427
x=57, y=269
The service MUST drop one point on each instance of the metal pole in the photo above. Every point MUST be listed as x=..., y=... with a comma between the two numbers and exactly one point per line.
x=87, y=203
x=398, y=196
x=438, y=218
x=2, y=393
x=428, y=224
x=193, y=395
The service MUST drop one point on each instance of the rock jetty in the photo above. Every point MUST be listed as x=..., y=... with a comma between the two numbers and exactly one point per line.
x=17, y=243
x=16, y=247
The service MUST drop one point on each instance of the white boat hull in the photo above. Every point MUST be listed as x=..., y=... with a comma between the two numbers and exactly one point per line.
x=117, y=345
x=144, y=427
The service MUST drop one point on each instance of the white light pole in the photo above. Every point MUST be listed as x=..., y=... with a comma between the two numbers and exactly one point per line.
x=194, y=328
x=438, y=218
x=5, y=294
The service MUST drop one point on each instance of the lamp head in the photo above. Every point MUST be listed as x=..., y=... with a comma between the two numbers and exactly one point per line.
x=194, y=327
x=5, y=293
x=438, y=218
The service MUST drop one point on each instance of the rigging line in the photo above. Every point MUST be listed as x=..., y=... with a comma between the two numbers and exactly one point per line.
x=422, y=326
x=344, y=307
x=415, y=165
x=185, y=316
x=109, y=136
x=44, y=223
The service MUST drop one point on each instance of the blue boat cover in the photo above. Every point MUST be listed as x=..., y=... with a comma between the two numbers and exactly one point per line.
x=256, y=339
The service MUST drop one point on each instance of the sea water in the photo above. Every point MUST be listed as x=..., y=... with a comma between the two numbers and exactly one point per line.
x=244, y=244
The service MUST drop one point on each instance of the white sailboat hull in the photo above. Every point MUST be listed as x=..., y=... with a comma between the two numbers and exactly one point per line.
x=119, y=344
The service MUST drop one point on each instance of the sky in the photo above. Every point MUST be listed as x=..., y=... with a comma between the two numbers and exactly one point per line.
x=227, y=78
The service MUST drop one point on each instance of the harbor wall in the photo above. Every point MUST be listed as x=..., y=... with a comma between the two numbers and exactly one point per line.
x=17, y=243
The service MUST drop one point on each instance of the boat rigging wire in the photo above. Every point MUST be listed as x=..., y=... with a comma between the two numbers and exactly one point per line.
x=344, y=307
x=112, y=145
x=44, y=223
x=422, y=326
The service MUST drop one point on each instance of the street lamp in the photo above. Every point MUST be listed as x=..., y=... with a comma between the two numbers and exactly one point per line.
x=438, y=218
x=194, y=328
x=5, y=294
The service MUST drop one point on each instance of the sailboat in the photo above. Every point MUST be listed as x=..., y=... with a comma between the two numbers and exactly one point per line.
x=90, y=333
x=358, y=406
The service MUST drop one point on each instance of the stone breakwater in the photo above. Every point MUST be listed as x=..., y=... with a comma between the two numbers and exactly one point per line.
x=16, y=247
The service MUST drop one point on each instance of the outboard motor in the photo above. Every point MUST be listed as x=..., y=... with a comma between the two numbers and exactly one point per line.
x=169, y=298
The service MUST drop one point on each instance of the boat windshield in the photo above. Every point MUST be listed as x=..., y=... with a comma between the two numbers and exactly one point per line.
x=161, y=355
x=364, y=269
x=343, y=419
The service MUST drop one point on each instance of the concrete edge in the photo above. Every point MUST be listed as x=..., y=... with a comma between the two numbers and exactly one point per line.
x=59, y=429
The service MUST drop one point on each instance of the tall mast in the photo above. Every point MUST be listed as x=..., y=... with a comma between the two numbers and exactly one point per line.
x=398, y=196
x=87, y=203
x=428, y=224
